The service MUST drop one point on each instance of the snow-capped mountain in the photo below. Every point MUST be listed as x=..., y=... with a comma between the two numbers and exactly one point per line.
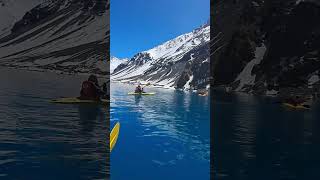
x=265, y=47
x=182, y=62
x=59, y=35
x=115, y=62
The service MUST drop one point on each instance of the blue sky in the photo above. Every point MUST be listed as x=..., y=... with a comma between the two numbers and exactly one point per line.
x=138, y=25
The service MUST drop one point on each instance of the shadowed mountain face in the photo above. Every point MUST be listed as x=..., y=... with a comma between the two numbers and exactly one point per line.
x=263, y=46
x=61, y=35
x=182, y=62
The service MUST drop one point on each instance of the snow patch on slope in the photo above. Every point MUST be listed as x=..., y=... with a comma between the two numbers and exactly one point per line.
x=169, y=46
x=299, y=1
x=246, y=77
x=313, y=79
x=187, y=85
x=272, y=92
x=115, y=62
x=179, y=44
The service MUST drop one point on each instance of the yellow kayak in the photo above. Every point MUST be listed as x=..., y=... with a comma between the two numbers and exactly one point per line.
x=145, y=94
x=114, y=135
x=206, y=94
x=75, y=100
x=301, y=106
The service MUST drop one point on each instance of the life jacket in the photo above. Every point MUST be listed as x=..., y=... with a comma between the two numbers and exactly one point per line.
x=138, y=90
x=89, y=91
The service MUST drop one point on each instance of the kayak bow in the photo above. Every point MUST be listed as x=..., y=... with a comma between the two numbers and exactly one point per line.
x=114, y=135
x=301, y=106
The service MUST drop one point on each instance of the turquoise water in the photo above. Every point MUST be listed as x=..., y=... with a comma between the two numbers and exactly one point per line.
x=40, y=140
x=165, y=136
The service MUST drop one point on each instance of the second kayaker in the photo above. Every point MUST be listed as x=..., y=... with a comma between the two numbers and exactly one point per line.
x=297, y=100
x=139, y=89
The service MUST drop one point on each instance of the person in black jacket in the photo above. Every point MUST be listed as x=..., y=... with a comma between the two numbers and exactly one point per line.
x=90, y=89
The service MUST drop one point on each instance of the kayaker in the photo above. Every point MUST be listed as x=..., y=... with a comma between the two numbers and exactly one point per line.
x=299, y=100
x=90, y=89
x=202, y=92
x=296, y=101
x=139, y=89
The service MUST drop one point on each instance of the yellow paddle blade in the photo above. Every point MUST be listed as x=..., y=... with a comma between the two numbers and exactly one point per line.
x=114, y=135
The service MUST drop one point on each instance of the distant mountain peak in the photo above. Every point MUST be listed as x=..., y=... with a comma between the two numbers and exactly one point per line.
x=115, y=62
x=168, y=64
x=171, y=46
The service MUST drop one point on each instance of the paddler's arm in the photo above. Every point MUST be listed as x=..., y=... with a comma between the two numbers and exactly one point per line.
x=148, y=84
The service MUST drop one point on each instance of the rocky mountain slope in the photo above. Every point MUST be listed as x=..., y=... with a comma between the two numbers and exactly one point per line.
x=58, y=35
x=182, y=62
x=115, y=62
x=266, y=47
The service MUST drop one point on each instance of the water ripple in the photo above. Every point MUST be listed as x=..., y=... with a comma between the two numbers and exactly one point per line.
x=43, y=138
x=168, y=130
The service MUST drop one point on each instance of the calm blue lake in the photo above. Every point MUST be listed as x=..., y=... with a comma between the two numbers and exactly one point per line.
x=165, y=136
x=40, y=140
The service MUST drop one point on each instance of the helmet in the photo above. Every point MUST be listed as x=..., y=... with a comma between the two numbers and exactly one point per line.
x=93, y=78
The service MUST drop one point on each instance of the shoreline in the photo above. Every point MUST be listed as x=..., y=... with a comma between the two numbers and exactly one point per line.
x=160, y=86
x=58, y=72
x=283, y=92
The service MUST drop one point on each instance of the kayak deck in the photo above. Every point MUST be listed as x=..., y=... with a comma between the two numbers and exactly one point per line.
x=114, y=135
x=295, y=107
x=203, y=95
x=75, y=100
x=145, y=94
